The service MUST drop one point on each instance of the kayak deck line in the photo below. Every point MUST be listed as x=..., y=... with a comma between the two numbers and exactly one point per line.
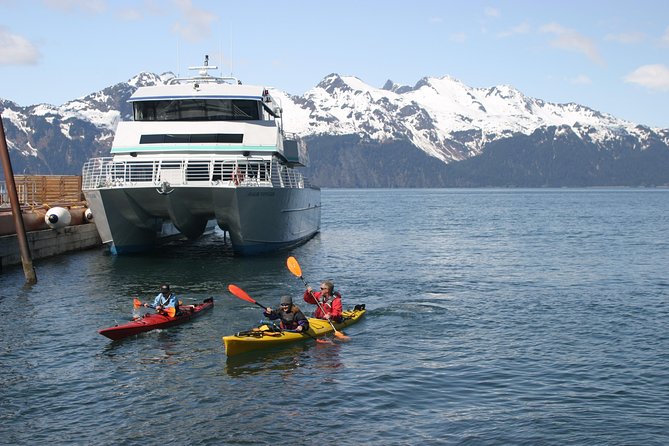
x=154, y=321
x=264, y=336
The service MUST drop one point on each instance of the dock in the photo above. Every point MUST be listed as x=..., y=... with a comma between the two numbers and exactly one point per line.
x=49, y=242
x=38, y=194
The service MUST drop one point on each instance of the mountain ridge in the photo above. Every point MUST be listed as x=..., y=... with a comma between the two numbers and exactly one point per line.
x=441, y=117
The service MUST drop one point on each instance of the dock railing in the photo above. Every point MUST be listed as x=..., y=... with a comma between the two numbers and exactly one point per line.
x=34, y=190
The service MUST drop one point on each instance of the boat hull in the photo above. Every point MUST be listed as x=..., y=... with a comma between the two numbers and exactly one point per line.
x=262, y=338
x=258, y=219
x=153, y=321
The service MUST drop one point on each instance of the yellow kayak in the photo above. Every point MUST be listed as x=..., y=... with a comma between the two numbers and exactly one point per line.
x=264, y=337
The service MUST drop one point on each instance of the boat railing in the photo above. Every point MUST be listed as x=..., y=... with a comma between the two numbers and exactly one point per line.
x=99, y=173
x=26, y=192
x=207, y=78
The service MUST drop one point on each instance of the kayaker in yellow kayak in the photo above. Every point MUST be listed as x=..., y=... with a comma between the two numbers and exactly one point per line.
x=164, y=300
x=291, y=316
x=330, y=301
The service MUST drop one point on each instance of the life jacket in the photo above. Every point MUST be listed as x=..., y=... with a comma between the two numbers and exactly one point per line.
x=288, y=319
x=165, y=300
x=328, y=301
x=320, y=312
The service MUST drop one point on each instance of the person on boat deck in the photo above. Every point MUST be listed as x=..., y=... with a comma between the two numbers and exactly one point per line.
x=291, y=316
x=165, y=299
x=330, y=301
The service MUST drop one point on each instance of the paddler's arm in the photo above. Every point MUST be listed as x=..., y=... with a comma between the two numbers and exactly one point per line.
x=155, y=303
x=302, y=322
x=310, y=297
x=270, y=313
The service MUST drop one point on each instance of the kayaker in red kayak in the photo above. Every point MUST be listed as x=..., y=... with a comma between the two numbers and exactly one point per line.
x=291, y=316
x=330, y=301
x=165, y=299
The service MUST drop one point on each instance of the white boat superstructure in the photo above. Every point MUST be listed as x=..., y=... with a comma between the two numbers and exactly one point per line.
x=203, y=149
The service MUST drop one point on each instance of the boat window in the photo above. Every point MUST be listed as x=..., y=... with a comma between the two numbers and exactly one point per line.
x=197, y=110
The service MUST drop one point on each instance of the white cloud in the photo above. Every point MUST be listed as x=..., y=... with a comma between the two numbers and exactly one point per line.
x=147, y=9
x=633, y=37
x=195, y=24
x=17, y=50
x=523, y=28
x=654, y=77
x=436, y=20
x=569, y=39
x=91, y=6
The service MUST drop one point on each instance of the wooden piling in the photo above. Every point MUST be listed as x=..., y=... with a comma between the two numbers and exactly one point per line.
x=26, y=260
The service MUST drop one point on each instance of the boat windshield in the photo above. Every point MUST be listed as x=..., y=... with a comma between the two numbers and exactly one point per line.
x=197, y=110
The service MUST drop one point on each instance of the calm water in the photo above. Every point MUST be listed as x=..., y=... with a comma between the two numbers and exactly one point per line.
x=497, y=317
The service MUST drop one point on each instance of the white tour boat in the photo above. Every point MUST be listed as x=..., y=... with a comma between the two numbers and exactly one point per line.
x=203, y=149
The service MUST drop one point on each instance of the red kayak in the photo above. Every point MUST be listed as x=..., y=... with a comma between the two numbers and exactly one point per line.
x=153, y=321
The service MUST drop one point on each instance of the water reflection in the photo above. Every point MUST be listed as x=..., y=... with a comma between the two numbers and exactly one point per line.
x=285, y=359
x=160, y=346
x=259, y=362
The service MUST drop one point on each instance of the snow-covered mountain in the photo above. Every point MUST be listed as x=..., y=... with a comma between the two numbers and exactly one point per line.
x=442, y=116
x=390, y=136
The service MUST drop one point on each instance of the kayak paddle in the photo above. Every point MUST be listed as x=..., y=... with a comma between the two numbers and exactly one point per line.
x=170, y=311
x=243, y=295
x=319, y=340
x=294, y=268
x=136, y=303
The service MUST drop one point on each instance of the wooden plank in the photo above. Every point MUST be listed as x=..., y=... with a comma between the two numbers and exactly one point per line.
x=48, y=189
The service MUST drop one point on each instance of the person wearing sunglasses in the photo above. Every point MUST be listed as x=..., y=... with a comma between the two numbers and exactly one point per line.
x=290, y=314
x=330, y=301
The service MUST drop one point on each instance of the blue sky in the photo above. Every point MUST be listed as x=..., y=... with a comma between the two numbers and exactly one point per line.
x=610, y=55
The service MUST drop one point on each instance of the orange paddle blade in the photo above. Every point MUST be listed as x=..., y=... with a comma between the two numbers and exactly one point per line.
x=171, y=311
x=136, y=303
x=234, y=289
x=341, y=335
x=293, y=266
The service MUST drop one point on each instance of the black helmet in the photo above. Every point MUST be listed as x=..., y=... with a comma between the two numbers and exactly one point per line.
x=164, y=288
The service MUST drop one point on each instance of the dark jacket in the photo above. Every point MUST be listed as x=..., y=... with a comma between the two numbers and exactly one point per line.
x=291, y=319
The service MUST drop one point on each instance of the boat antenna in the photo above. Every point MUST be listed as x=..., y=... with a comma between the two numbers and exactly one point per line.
x=178, y=58
x=203, y=69
x=232, y=55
